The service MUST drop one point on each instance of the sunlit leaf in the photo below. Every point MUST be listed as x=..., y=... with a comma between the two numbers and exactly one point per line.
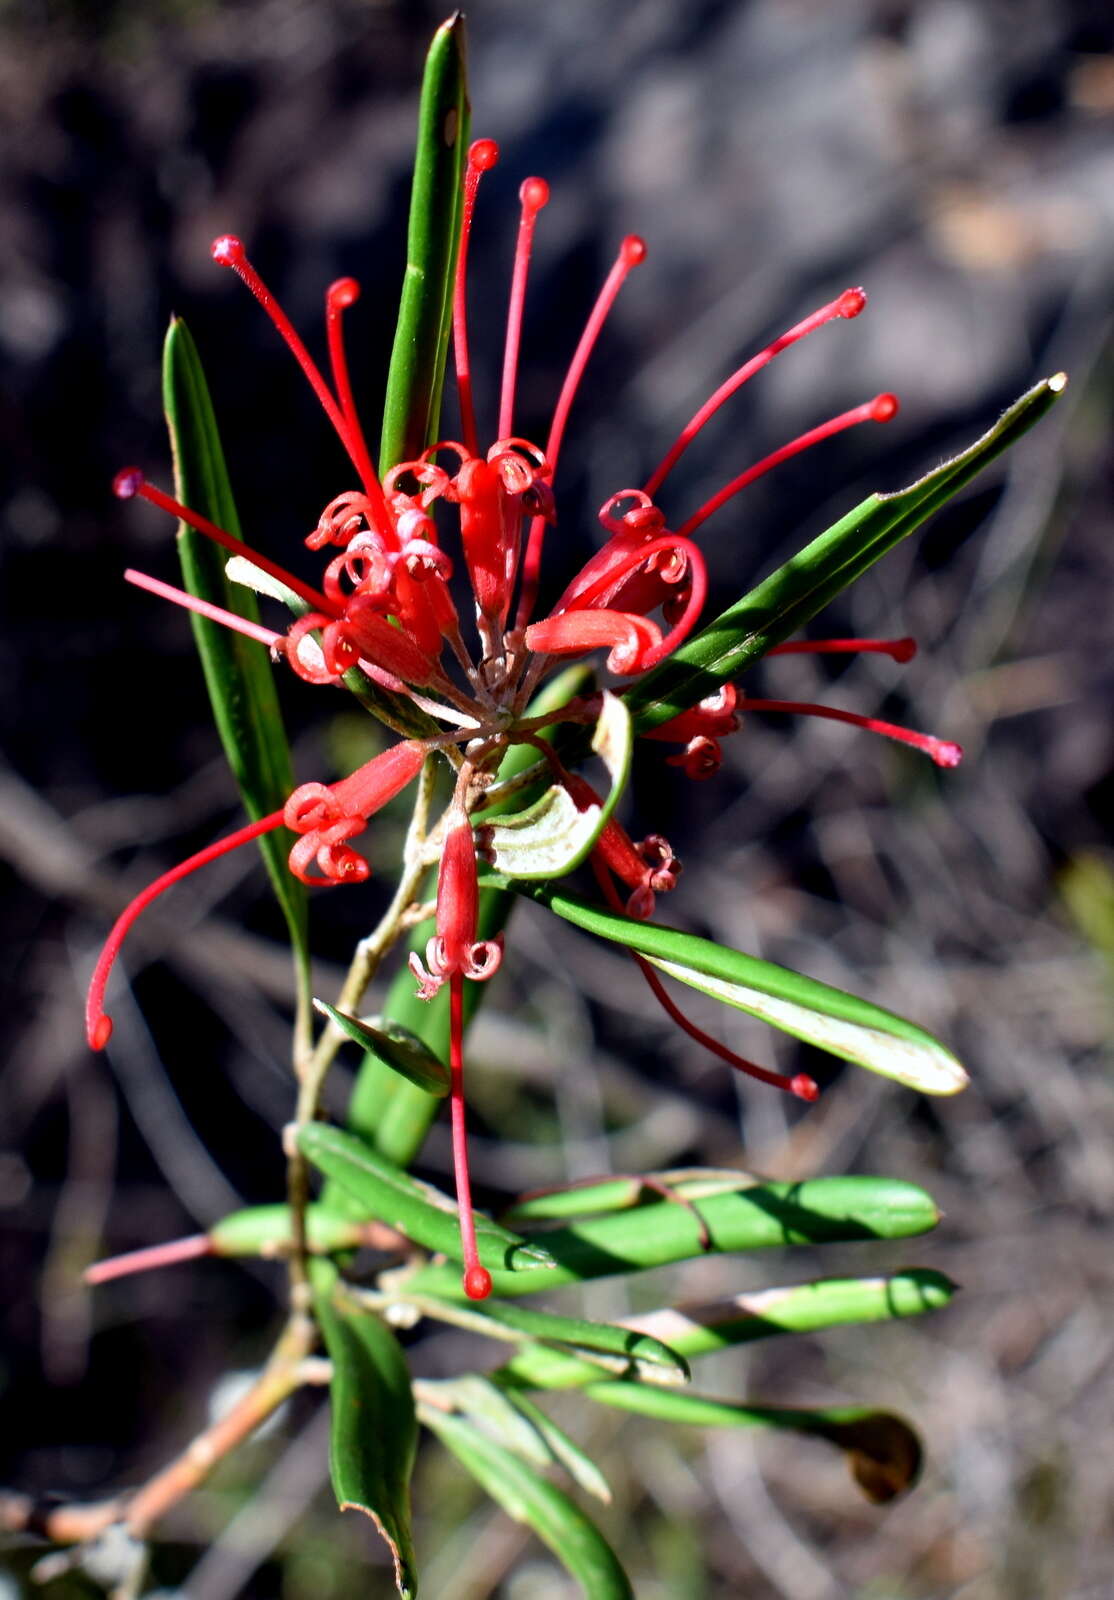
x=415, y=1209
x=838, y=1022
x=696, y=1330
x=882, y=1450
x=818, y=1211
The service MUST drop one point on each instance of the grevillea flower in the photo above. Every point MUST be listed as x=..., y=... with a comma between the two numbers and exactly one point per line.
x=385, y=608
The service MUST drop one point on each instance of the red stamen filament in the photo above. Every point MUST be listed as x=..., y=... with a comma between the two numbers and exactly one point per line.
x=534, y=194
x=131, y=482
x=943, y=751
x=631, y=252
x=804, y=1087
x=338, y=297
x=848, y=304
x=880, y=409
x=477, y=1279
x=483, y=155
x=98, y=1026
x=228, y=251
x=167, y=591
x=156, y=1255
x=898, y=649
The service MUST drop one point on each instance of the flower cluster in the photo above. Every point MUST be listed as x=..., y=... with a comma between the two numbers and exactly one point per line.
x=387, y=609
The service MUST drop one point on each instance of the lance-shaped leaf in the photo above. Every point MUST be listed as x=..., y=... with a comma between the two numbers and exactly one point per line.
x=395, y=1045
x=266, y=1231
x=237, y=671
x=373, y=1435
x=552, y=836
x=829, y=1018
x=516, y=1423
x=624, y=1345
x=416, y=1209
x=413, y=399
x=695, y=1330
x=528, y=1497
x=882, y=1450
x=818, y=1211
x=594, y=1196
x=787, y=599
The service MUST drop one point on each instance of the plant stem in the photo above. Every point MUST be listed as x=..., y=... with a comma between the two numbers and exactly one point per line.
x=315, y=1065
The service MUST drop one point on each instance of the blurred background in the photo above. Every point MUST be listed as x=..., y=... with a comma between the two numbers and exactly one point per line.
x=956, y=158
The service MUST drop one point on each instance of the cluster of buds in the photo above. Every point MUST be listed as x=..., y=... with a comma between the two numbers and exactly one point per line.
x=386, y=609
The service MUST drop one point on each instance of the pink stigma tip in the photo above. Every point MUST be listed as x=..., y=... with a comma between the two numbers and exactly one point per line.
x=100, y=1033
x=946, y=754
x=534, y=194
x=483, y=155
x=343, y=293
x=227, y=251
x=804, y=1087
x=127, y=484
x=903, y=650
x=633, y=249
x=851, y=302
x=477, y=1283
x=883, y=407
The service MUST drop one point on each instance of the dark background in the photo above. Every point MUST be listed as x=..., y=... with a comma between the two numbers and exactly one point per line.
x=955, y=158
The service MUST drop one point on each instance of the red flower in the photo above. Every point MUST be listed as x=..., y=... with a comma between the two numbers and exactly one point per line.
x=385, y=608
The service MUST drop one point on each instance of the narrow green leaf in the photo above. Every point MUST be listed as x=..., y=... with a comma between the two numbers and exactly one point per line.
x=818, y=1211
x=605, y=1338
x=527, y=1497
x=266, y=1231
x=883, y=1451
x=786, y=600
x=413, y=400
x=595, y=1196
x=237, y=671
x=374, y=1431
x=416, y=1209
x=515, y=1422
x=695, y=1330
x=552, y=836
x=396, y=1046
x=565, y=1452
x=835, y=1021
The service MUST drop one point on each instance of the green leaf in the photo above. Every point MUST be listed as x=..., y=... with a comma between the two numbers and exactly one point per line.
x=552, y=836
x=266, y=1231
x=396, y=1046
x=527, y=1497
x=883, y=1451
x=837, y=1022
x=596, y=1196
x=413, y=400
x=605, y=1338
x=787, y=599
x=416, y=1209
x=696, y=1330
x=818, y=1211
x=374, y=1429
x=237, y=670
x=514, y=1422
